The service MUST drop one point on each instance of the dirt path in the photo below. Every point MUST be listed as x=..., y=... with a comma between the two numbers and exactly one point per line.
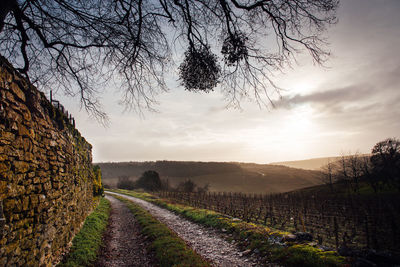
x=123, y=243
x=206, y=242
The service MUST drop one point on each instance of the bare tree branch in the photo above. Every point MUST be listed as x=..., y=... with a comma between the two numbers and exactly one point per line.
x=81, y=46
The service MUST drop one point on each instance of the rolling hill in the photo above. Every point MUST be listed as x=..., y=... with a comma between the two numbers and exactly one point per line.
x=221, y=176
x=308, y=164
x=315, y=163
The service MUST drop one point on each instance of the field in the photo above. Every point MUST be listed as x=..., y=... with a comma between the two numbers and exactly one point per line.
x=337, y=221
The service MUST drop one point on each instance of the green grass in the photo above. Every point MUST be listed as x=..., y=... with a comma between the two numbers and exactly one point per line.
x=250, y=236
x=170, y=250
x=303, y=255
x=86, y=243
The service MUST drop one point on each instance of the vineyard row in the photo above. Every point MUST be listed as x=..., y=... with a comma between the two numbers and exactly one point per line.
x=353, y=221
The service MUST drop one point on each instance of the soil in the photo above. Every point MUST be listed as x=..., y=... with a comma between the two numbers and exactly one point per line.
x=123, y=243
x=207, y=242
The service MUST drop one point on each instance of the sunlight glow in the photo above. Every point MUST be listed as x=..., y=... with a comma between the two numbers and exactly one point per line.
x=299, y=123
x=289, y=137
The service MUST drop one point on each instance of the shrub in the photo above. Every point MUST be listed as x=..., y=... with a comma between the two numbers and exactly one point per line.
x=98, y=188
x=125, y=183
x=150, y=181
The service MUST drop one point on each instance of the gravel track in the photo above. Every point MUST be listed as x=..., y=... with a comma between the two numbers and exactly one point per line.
x=205, y=241
x=124, y=245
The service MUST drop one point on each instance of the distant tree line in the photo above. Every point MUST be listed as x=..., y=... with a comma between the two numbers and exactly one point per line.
x=380, y=170
x=150, y=181
x=167, y=168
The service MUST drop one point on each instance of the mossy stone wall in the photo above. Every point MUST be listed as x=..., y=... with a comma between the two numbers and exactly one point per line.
x=46, y=175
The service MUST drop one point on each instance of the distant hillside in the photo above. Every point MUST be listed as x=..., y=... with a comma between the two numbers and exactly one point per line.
x=308, y=164
x=166, y=168
x=312, y=164
x=222, y=176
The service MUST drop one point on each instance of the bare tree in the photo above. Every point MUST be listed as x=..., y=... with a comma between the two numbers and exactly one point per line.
x=342, y=169
x=79, y=46
x=369, y=175
x=355, y=170
x=329, y=173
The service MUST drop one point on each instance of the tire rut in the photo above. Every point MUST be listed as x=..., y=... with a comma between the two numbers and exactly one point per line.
x=123, y=243
x=205, y=241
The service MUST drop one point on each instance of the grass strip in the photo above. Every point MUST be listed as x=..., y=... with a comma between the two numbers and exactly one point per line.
x=258, y=238
x=170, y=250
x=86, y=244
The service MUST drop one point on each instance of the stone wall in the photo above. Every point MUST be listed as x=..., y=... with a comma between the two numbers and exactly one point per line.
x=46, y=176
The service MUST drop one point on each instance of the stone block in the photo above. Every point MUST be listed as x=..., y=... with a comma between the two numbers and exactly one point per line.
x=55, y=194
x=34, y=200
x=23, y=130
x=12, y=205
x=21, y=261
x=18, y=154
x=38, y=189
x=27, y=145
x=18, y=142
x=14, y=190
x=25, y=203
x=31, y=213
x=42, y=198
x=29, y=230
x=29, y=189
x=44, y=165
x=6, y=137
x=10, y=151
x=14, y=126
x=20, y=225
x=31, y=262
x=10, y=248
x=21, y=108
x=29, y=157
x=56, y=186
x=27, y=115
x=5, y=77
x=3, y=186
x=21, y=166
x=4, y=166
x=8, y=96
x=47, y=186
x=41, y=173
x=17, y=91
x=3, y=260
x=14, y=116
x=52, y=143
x=18, y=178
x=14, y=217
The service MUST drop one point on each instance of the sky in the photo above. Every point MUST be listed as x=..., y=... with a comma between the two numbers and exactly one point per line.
x=345, y=107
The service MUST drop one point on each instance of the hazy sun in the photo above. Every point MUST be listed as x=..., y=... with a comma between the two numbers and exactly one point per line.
x=299, y=122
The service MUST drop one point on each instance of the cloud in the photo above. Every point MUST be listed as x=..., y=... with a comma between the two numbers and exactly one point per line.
x=330, y=97
x=370, y=84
